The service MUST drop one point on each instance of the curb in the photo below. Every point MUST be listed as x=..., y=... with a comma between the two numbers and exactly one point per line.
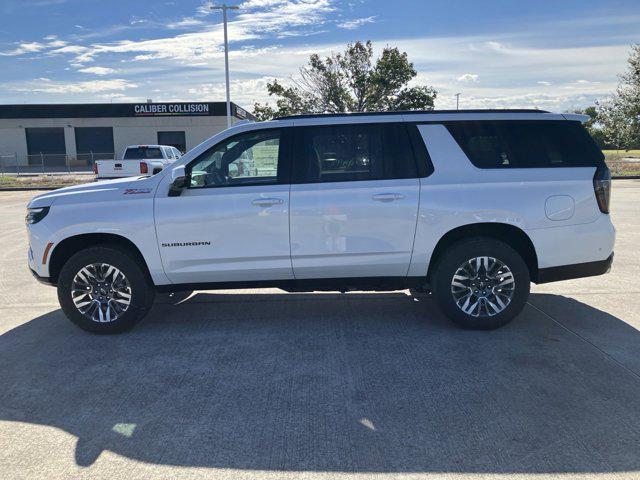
x=628, y=177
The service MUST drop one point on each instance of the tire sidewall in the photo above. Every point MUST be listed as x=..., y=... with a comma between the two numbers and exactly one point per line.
x=141, y=291
x=462, y=251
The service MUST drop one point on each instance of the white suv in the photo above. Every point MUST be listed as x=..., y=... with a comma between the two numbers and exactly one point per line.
x=469, y=205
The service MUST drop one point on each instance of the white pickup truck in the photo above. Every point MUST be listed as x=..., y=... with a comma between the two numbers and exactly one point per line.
x=137, y=160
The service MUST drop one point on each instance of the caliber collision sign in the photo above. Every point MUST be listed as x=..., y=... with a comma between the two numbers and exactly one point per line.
x=161, y=109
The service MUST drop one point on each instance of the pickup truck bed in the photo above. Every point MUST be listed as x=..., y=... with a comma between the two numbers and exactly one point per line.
x=137, y=160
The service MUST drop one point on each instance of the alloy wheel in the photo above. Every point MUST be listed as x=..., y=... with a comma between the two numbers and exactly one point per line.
x=483, y=286
x=101, y=292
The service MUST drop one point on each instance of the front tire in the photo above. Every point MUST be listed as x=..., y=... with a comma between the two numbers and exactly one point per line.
x=104, y=289
x=481, y=283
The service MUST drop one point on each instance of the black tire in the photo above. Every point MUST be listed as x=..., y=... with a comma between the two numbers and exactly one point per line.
x=142, y=289
x=464, y=250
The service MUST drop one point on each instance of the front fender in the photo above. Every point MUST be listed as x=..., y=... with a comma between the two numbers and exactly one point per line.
x=127, y=213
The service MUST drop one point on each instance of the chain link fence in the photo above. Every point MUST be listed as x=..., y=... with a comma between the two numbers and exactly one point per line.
x=50, y=163
x=623, y=163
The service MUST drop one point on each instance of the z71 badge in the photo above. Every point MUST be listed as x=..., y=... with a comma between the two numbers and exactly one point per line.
x=136, y=191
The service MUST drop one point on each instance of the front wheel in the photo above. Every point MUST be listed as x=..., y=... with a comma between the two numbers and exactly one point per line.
x=481, y=283
x=104, y=289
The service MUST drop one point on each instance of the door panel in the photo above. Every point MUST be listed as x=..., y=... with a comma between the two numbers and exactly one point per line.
x=232, y=224
x=354, y=204
x=353, y=229
x=225, y=234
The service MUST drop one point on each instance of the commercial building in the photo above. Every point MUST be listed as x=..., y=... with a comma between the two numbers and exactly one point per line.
x=71, y=136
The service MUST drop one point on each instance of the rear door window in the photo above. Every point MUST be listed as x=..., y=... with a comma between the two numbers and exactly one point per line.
x=346, y=153
x=526, y=144
x=142, y=153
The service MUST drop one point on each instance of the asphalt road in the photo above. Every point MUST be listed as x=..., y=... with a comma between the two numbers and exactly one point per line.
x=263, y=384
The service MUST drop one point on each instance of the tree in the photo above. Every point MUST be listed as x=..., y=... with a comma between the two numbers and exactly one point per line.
x=619, y=115
x=350, y=82
x=594, y=125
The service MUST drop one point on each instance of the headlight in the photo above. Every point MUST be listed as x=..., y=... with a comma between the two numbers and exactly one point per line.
x=34, y=215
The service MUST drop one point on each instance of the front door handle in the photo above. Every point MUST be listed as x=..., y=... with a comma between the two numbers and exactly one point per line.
x=267, y=202
x=387, y=197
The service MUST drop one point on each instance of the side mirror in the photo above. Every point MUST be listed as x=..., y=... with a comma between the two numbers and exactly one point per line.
x=179, y=180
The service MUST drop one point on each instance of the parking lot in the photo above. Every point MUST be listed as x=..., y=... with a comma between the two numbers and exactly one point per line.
x=264, y=384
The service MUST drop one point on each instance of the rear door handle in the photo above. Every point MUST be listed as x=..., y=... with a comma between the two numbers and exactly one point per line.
x=267, y=202
x=387, y=197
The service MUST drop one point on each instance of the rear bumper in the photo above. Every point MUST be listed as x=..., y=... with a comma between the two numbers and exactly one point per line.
x=578, y=270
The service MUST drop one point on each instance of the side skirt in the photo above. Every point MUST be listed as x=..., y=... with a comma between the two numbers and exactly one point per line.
x=383, y=284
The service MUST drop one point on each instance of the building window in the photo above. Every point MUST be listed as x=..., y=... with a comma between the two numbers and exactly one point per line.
x=173, y=139
x=45, y=145
x=94, y=143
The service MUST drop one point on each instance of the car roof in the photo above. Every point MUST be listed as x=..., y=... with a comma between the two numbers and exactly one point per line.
x=412, y=112
x=424, y=116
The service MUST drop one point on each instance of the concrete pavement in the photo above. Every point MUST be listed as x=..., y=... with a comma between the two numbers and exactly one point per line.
x=263, y=384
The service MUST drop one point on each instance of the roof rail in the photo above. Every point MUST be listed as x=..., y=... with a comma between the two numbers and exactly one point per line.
x=411, y=112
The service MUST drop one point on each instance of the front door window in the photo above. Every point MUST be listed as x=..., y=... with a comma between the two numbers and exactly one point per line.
x=246, y=159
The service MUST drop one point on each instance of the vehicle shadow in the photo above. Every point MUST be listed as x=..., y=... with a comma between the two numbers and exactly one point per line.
x=328, y=382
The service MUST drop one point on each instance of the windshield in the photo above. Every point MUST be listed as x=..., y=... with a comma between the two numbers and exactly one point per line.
x=137, y=153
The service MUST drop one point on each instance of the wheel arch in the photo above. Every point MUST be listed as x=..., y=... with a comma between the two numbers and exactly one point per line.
x=70, y=245
x=510, y=234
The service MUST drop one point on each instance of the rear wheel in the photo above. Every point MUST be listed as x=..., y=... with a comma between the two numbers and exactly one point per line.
x=481, y=283
x=104, y=289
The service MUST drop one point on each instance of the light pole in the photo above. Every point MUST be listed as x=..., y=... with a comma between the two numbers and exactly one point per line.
x=458, y=101
x=224, y=7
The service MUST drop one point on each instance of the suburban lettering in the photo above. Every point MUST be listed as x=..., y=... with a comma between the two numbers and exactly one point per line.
x=186, y=244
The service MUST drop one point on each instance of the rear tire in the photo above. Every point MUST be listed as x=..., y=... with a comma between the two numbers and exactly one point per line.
x=113, y=302
x=492, y=297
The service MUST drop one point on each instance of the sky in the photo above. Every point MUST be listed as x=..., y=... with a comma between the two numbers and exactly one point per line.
x=556, y=55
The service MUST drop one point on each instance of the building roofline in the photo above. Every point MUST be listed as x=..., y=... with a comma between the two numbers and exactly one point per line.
x=117, y=110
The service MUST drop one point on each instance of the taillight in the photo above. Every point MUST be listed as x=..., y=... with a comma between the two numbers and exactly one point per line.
x=144, y=168
x=602, y=188
x=95, y=168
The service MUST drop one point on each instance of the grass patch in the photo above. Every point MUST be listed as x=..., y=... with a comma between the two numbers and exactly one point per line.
x=622, y=153
x=621, y=162
x=43, y=181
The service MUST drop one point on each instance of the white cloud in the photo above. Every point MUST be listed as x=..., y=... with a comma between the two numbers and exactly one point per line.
x=583, y=82
x=56, y=43
x=542, y=82
x=98, y=70
x=244, y=91
x=68, y=49
x=355, y=23
x=186, y=22
x=468, y=77
x=44, y=85
x=205, y=8
x=280, y=17
x=26, y=47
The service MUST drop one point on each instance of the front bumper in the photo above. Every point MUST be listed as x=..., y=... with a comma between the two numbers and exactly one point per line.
x=577, y=270
x=43, y=280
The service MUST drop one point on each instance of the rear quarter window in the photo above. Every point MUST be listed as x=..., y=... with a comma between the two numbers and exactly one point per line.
x=526, y=144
